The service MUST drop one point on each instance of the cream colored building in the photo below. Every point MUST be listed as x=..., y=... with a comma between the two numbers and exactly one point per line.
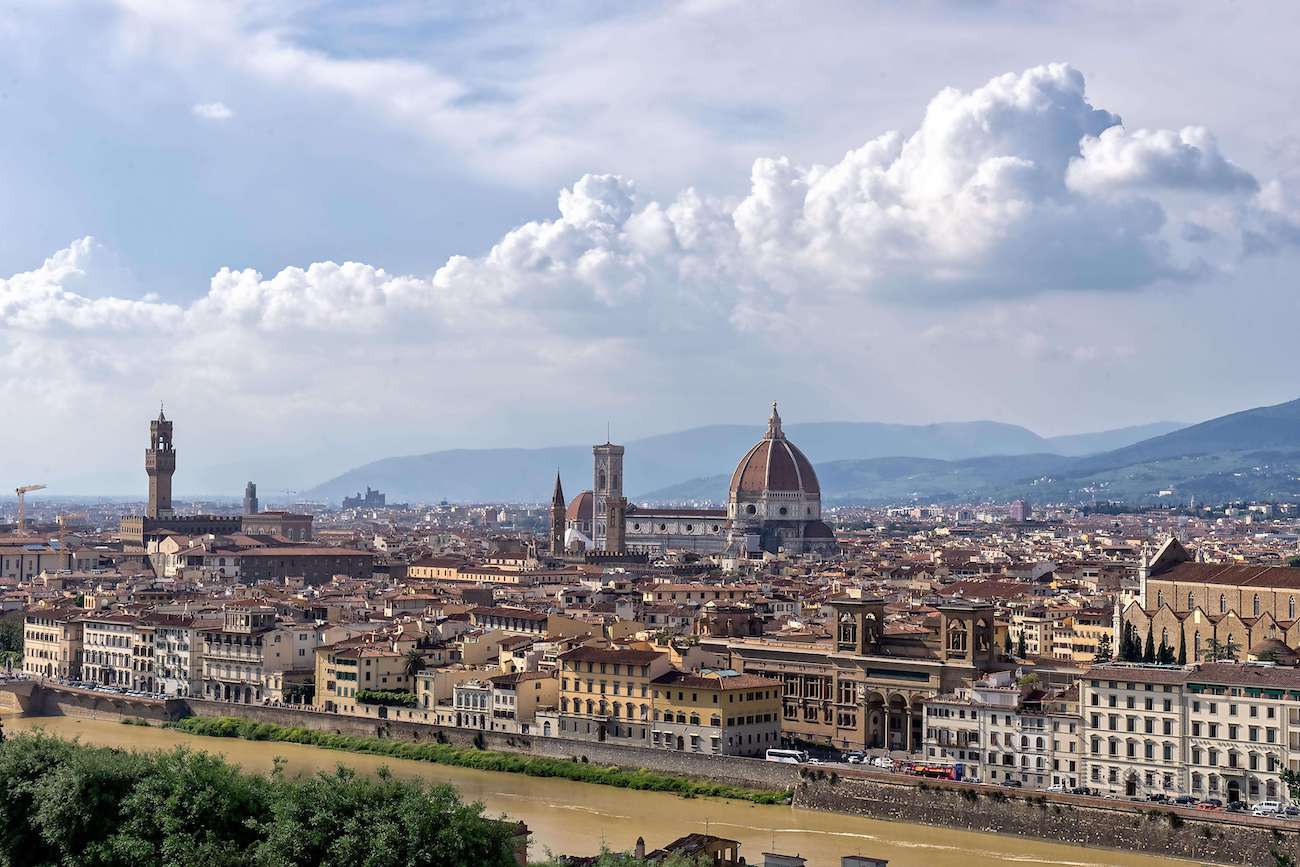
x=724, y=715
x=52, y=642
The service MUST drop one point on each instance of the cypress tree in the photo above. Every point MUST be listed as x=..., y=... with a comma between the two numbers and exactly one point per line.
x=1182, y=647
x=1149, y=652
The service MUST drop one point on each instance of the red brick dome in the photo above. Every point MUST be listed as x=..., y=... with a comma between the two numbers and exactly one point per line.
x=774, y=464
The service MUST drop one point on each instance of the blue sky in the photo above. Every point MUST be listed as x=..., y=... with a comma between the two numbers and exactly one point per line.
x=330, y=232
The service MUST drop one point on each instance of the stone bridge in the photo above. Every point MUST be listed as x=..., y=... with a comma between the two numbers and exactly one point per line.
x=49, y=698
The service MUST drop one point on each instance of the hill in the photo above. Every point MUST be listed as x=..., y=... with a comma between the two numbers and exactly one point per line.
x=656, y=465
x=1249, y=455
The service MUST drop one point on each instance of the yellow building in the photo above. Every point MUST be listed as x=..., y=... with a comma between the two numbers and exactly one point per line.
x=605, y=693
x=731, y=714
x=349, y=666
x=52, y=642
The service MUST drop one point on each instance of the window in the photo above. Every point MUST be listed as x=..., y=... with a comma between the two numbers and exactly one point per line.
x=1223, y=604
x=1254, y=605
x=1191, y=600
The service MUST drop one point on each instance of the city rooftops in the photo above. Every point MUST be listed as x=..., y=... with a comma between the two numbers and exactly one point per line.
x=626, y=656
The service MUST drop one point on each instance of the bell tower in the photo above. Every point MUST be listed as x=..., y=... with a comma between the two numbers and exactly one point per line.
x=557, y=519
x=607, y=486
x=160, y=464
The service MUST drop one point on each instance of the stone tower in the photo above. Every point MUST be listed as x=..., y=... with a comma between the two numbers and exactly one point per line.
x=160, y=464
x=250, y=499
x=607, y=485
x=616, y=528
x=557, y=519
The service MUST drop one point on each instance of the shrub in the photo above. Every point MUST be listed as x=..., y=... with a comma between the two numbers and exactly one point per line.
x=390, y=697
x=479, y=759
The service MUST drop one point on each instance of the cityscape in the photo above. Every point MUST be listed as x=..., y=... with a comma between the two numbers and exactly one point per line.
x=903, y=469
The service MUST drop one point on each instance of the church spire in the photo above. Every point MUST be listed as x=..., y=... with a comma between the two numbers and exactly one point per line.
x=558, y=498
x=774, y=425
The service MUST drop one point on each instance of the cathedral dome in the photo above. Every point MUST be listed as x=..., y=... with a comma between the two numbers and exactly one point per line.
x=580, y=507
x=774, y=464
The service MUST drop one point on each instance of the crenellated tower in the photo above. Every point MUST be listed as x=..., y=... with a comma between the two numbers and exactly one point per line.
x=607, y=491
x=160, y=464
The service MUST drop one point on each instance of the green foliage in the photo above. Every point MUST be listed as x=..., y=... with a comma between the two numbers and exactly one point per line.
x=66, y=804
x=484, y=760
x=11, y=634
x=625, y=859
x=412, y=663
x=1104, y=651
x=1149, y=650
x=1293, y=561
x=390, y=697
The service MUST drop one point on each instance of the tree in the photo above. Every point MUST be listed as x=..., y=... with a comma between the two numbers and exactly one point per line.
x=11, y=635
x=1020, y=644
x=1103, y=653
x=1165, y=655
x=1149, y=652
x=1293, y=561
x=1006, y=643
x=1230, y=650
x=1182, y=647
x=412, y=663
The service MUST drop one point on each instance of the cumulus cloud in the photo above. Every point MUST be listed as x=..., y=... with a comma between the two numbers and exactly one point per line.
x=1020, y=188
x=214, y=111
x=1157, y=159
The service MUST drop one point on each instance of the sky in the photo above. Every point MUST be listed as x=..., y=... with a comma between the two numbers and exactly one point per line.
x=329, y=232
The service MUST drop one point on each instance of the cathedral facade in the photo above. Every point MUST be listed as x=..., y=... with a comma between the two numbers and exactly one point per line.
x=773, y=506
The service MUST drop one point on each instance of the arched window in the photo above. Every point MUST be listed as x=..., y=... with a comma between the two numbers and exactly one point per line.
x=1223, y=604
x=1164, y=637
x=1196, y=644
x=1290, y=608
x=1160, y=598
x=1191, y=600
x=1254, y=606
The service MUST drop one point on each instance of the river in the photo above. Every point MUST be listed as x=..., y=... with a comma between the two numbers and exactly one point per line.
x=577, y=818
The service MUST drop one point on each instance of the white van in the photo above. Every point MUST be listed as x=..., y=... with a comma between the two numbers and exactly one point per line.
x=1266, y=808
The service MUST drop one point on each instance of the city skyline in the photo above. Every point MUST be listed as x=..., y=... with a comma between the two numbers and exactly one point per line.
x=867, y=247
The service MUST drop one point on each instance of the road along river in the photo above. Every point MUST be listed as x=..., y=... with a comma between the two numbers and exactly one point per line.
x=578, y=818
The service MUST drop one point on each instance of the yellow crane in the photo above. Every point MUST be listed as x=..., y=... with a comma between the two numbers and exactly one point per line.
x=22, y=493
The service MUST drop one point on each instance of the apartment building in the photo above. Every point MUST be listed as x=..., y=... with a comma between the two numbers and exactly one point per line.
x=1000, y=731
x=247, y=658
x=178, y=652
x=108, y=641
x=52, y=642
x=720, y=713
x=605, y=693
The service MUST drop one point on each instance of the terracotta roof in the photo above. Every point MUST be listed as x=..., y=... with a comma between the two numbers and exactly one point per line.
x=580, y=507
x=1232, y=574
x=774, y=465
x=702, y=681
x=609, y=654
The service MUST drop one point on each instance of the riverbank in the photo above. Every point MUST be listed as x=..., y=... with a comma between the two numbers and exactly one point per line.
x=576, y=818
x=577, y=770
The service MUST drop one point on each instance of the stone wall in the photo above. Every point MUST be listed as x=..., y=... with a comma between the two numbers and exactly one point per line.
x=723, y=769
x=1083, y=821
x=58, y=700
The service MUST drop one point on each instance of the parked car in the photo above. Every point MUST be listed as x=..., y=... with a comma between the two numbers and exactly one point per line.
x=1291, y=811
x=1082, y=790
x=1158, y=796
x=1056, y=787
x=1267, y=808
x=1236, y=807
x=1185, y=800
x=1209, y=807
x=855, y=758
x=1012, y=784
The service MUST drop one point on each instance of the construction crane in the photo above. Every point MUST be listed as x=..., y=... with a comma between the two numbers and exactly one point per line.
x=62, y=521
x=22, y=493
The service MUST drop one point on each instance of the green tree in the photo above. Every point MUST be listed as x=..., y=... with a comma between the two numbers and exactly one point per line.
x=1006, y=643
x=11, y=634
x=412, y=664
x=1230, y=650
x=1020, y=644
x=1149, y=652
x=1103, y=653
x=1182, y=647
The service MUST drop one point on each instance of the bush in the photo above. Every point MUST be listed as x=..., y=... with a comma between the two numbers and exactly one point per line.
x=389, y=697
x=483, y=760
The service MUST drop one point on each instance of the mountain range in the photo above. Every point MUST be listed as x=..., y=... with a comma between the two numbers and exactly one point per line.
x=1249, y=455
x=851, y=458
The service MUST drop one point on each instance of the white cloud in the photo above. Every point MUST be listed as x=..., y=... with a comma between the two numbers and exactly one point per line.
x=1021, y=188
x=214, y=111
x=1157, y=159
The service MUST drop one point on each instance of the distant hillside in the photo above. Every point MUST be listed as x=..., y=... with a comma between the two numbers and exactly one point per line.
x=1075, y=445
x=1254, y=454
x=657, y=464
